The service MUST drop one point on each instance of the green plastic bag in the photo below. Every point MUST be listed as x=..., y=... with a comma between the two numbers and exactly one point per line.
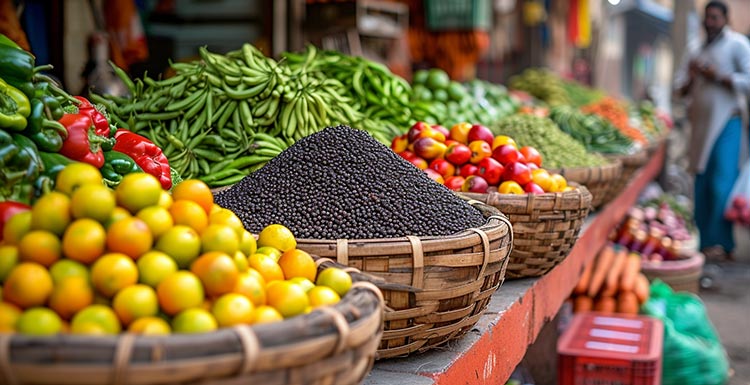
x=693, y=354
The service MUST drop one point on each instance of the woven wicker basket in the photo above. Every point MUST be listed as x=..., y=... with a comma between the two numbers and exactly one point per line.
x=597, y=180
x=630, y=164
x=435, y=288
x=333, y=345
x=681, y=274
x=545, y=227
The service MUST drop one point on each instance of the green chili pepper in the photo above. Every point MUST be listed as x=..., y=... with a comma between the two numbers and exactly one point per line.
x=116, y=166
x=14, y=107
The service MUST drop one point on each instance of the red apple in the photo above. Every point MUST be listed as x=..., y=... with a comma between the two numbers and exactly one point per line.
x=454, y=182
x=506, y=154
x=531, y=155
x=434, y=175
x=448, y=142
x=429, y=148
x=400, y=143
x=419, y=162
x=407, y=154
x=533, y=188
x=442, y=130
x=475, y=184
x=460, y=132
x=415, y=130
x=517, y=172
x=491, y=170
x=479, y=150
x=443, y=167
x=480, y=132
x=457, y=153
x=468, y=170
x=532, y=166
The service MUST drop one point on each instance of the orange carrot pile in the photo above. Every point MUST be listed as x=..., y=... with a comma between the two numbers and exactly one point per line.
x=616, y=113
x=612, y=283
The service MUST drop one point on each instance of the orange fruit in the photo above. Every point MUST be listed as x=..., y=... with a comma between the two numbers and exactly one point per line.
x=188, y=213
x=297, y=263
x=248, y=245
x=220, y=238
x=322, y=296
x=165, y=199
x=117, y=214
x=137, y=191
x=179, y=291
x=269, y=251
x=112, y=273
x=9, y=260
x=335, y=278
x=84, y=240
x=251, y=286
x=266, y=314
x=194, y=190
x=304, y=282
x=71, y=295
x=9, y=314
x=194, y=321
x=150, y=326
x=222, y=216
x=287, y=297
x=75, y=175
x=51, y=212
x=65, y=268
x=29, y=284
x=96, y=320
x=182, y=243
x=39, y=321
x=16, y=227
x=157, y=218
x=542, y=177
x=240, y=260
x=266, y=266
x=134, y=302
x=94, y=201
x=232, y=309
x=130, y=236
x=154, y=266
x=217, y=271
x=41, y=247
x=277, y=236
x=560, y=182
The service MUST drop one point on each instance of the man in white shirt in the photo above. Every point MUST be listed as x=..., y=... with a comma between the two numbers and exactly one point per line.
x=715, y=77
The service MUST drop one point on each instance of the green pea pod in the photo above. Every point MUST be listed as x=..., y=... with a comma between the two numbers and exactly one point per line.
x=116, y=166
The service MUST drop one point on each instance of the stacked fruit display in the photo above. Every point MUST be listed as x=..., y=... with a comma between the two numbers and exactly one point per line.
x=86, y=259
x=469, y=158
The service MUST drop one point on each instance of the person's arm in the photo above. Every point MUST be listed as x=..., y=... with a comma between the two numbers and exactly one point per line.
x=740, y=79
x=683, y=79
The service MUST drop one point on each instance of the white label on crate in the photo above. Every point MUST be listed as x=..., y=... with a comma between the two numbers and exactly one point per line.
x=625, y=323
x=595, y=345
x=611, y=334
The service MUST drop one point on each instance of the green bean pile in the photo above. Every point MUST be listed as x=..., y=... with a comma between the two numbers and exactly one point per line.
x=593, y=131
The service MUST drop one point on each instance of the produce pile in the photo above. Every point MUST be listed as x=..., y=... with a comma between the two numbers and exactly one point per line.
x=616, y=112
x=542, y=84
x=558, y=149
x=342, y=183
x=593, y=131
x=612, y=283
x=437, y=99
x=469, y=158
x=579, y=94
x=43, y=128
x=85, y=259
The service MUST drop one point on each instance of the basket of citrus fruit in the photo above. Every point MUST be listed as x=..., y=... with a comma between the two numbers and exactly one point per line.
x=139, y=286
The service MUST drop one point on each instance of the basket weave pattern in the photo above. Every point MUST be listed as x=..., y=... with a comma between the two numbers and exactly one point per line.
x=435, y=288
x=545, y=227
x=598, y=180
x=331, y=345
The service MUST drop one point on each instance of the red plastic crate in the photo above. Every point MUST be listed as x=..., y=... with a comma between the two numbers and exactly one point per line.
x=607, y=349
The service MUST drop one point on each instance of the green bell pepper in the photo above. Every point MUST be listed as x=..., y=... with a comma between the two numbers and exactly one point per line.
x=116, y=166
x=14, y=107
x=47, y=134
x=8, y=150
x=27, y=158
x=16, y=66
x=53, y=164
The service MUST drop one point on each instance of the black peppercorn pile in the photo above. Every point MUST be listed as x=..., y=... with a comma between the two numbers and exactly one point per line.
x=342, y=183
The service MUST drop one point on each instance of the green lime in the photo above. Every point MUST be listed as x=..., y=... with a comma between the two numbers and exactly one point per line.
x=440, y=95
x=420, y=77
x=437, y=79
x=456, y=91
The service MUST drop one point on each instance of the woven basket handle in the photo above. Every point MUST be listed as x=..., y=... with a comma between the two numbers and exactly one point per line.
x=250, y=347
x=123, y=351
x=417, y=254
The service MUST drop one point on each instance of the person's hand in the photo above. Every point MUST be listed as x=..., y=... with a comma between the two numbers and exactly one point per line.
x=694, y=69
x=709, y=72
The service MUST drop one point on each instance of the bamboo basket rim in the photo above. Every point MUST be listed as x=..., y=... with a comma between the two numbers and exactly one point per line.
x=584, y=175
x=531, y=202
x=635, y=159
x=244, y=347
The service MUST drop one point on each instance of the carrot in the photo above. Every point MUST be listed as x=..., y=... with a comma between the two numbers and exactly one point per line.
x=605, y=304
x=630, y=272
x=641, y=288
x=627, y=303
x=583, y=281
x=582, y=303
x=613, y=275
x=603, y=264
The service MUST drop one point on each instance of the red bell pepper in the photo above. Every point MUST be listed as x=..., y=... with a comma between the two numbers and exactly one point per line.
x=83, y=144
x=9, y=209
x=146, y=154
x=101, y=125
